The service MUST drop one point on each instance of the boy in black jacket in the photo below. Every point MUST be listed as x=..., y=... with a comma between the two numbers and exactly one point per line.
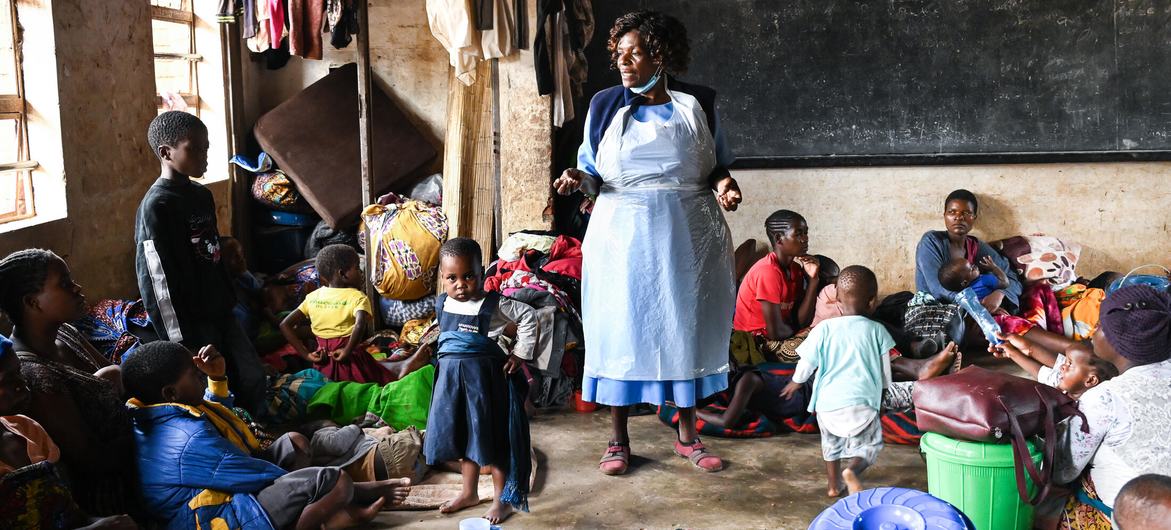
x=187, y=291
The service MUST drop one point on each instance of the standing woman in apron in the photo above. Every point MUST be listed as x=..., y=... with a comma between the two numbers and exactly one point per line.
x=657, y=288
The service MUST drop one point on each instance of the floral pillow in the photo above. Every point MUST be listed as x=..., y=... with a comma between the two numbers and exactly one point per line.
x=1042, y=258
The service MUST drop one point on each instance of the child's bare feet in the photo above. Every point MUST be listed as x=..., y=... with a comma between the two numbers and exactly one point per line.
x=459, y=503
x=939, y=363
x=498, y=512
x=354, y=515
x=853, y=483
x=393, y=491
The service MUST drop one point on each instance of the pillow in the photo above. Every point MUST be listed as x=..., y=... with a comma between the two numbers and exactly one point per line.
x=1042, y=258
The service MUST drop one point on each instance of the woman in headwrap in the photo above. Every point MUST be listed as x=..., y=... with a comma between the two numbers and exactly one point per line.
x=1128, y=418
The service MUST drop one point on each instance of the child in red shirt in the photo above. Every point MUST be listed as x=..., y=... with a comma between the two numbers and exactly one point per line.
x=777, y=296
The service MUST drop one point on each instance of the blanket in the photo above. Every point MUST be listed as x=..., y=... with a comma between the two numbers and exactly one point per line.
x=399, y=403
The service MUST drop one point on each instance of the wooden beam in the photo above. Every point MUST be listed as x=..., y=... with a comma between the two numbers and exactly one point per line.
x=364, y=142
x=18, y=166
x=191, y=100
x=11, y=105
x=240, y=191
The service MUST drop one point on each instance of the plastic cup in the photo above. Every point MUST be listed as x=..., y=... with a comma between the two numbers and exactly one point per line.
x=474, y=523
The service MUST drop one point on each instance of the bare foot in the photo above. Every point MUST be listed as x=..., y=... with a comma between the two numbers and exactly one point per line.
x=353, y=515
x=853, y=484
x=834, y=493
x=404, y=367
x=498, y=512
x=393, y=491
x=939, y=363
x=459, y=503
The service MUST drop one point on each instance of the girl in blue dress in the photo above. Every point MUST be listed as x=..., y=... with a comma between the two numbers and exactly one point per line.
x=657, y=287
x=477, y=415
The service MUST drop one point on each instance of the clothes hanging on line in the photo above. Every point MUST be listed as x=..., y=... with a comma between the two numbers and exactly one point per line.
x=564, y=28
x=306, y=21
x=341, y=22
x=455, y=23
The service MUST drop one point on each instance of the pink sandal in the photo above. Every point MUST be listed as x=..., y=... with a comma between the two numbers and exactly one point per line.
x=699, y=456
x=616, y=459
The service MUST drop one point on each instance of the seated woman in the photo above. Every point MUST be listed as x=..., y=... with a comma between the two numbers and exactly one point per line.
x=76, y=395
x=937, y=248
x=35, y=496
x=1127, y=417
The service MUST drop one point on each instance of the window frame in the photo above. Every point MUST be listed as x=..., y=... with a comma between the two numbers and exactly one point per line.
x=180, y=16
x=13, y=107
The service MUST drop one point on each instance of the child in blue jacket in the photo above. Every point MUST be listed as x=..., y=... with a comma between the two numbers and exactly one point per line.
x=196, y=458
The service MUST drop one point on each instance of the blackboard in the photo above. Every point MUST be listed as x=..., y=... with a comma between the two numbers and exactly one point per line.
x=828, y=82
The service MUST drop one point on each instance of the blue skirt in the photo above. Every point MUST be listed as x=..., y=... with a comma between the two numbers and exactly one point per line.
x=469, y=411
x=683, y=394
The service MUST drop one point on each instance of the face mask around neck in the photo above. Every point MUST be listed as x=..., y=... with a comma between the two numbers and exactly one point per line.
x=654, y=80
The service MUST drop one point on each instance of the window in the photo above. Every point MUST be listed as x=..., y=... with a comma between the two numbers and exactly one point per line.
x=16, y=194
x=190, y=71
x=176, y=72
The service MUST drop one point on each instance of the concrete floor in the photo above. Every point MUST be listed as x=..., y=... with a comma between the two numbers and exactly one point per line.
x=769, y=483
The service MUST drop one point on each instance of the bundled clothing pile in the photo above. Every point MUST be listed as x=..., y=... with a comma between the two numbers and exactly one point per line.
x=544, y=272
x=407, y=235
x=287, y=228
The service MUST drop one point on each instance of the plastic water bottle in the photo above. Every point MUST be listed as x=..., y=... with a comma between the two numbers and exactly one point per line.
x=968, y=300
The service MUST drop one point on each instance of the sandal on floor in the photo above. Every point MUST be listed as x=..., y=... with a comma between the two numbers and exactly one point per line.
x=616, y=459
x=699, y=456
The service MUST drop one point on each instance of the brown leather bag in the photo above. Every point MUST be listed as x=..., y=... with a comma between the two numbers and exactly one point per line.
x=981, y=405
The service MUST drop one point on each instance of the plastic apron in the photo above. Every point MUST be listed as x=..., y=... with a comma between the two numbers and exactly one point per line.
x=657, y=288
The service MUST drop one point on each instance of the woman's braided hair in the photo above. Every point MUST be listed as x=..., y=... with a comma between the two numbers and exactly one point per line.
x=779, y=223
x=663, y=37
x=22, y=273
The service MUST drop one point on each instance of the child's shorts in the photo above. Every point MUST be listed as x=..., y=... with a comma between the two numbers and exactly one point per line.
x=864, y=445
x=286, y=498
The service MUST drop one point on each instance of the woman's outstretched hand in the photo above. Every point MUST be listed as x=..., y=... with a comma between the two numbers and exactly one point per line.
x=728, y=193
x=569, y=181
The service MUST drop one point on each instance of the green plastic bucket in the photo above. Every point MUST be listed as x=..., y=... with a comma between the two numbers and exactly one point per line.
x=979, y=479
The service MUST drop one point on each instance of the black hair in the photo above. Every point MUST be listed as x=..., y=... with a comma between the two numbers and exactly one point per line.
x=953, y=274
x=172, y=127
x=779, y=223
x=153, y=366
x=463, y=247
x=859, y=281
x=1105, y=370
x=663, y=37
x=963, y=195
x=22, y=273
x=828, y=268
x=1141, y=500
x=333, y=259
